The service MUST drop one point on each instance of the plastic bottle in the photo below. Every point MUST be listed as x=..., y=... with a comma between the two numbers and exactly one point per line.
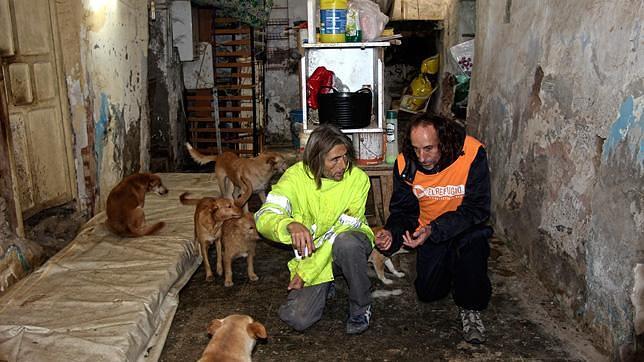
x=392, y=136
x=333, y=21
x=353, y=33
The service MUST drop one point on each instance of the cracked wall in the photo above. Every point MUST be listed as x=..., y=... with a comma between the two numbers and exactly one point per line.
x=105, y=65
x=559, y=105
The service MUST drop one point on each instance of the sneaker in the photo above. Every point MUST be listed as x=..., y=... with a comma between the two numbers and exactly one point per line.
x=359, y=323
x=473, y=329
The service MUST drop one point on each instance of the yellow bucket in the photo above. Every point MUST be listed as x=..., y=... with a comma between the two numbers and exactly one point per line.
x=333, y=21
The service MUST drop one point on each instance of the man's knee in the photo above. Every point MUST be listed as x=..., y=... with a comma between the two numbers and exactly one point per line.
x=297, y=318
x=351, y=243
x=428, y=294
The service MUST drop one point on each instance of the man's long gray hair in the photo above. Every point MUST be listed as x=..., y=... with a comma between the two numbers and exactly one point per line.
x=321, y=141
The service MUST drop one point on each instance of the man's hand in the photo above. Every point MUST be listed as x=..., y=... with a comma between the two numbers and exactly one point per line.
x=383, y=239
x=301, y=238
x=418, y=237
x=296, y=283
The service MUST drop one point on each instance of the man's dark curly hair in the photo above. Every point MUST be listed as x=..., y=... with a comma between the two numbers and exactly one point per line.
x=451, y=136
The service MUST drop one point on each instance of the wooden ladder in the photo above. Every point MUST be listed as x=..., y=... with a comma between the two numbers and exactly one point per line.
x=226, y=118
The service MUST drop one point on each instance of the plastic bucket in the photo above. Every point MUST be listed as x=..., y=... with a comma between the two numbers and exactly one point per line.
x=333, y=21
x=369, y=148
x=346, y=109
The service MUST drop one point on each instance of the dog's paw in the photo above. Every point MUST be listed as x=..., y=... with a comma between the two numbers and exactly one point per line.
x=220, y=272
x=253, y=278
x=209, y=278
x=387, y=281
x=228, y=283
x=399, y=274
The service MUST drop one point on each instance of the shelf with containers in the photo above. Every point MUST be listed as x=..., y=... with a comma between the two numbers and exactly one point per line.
x=355, y=65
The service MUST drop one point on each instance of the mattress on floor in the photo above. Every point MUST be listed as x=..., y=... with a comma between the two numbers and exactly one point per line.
x=106, y=298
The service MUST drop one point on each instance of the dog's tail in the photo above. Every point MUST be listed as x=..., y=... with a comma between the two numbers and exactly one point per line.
x=186, y=201
x=248, y=190
x=147, y=229
x=200, y=157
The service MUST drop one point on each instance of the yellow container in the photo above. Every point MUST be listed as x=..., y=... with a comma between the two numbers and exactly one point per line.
x=333, y=21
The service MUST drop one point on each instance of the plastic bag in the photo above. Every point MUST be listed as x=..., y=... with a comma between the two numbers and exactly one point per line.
x=372, y=20
x=320, y=77
x=462, y=57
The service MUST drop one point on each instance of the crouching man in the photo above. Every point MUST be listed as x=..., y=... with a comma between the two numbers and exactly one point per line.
x=440, y=205
x=318, y=207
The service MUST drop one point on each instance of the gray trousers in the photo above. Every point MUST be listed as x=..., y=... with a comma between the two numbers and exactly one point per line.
x=304, y=306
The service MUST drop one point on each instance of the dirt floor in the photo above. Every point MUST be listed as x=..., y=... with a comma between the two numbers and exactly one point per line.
x=522, y=322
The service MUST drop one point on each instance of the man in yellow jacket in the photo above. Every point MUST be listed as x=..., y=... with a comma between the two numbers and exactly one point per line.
x=318, y=207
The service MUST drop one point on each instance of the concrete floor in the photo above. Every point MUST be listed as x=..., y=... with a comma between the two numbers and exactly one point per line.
x=522, y=322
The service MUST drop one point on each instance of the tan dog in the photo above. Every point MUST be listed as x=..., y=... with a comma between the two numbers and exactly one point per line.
x=233, y=339
x=240, y=177
x=379, y=262
x=125, y=202
x=239, y=238
x=210, y=215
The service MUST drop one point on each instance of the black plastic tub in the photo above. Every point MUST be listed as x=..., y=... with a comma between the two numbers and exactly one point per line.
x=346, y=109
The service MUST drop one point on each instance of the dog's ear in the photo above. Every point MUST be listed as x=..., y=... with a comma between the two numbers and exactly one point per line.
x=257, y=330
x=214, y=325
x=272, y=160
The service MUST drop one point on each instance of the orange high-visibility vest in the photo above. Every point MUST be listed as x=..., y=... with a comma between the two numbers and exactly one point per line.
x=443, y=191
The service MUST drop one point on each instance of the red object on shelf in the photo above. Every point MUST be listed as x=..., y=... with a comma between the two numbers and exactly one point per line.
x=320, y=77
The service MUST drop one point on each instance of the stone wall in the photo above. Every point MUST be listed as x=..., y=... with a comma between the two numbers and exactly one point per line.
x=557, y=95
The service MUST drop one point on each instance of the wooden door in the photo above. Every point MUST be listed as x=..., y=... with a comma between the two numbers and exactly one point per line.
x=35, y=96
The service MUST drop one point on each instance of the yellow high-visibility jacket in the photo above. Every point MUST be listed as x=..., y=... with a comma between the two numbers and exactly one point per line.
x=336, y=207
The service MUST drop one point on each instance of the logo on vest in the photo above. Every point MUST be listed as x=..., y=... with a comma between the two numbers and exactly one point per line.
x=439, y=192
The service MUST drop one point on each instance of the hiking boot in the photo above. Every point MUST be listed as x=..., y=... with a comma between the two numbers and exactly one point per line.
x=473, y=329
x=359, y=323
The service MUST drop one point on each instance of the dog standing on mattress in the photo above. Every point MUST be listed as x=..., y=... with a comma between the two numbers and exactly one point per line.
x=210, y=214
x=233, y=339
x=124, y=209
x=237, y=177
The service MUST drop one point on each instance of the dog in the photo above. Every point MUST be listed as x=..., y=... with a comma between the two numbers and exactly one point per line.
x=210, y=214
x=233, y=339
x=239, y=238
x=125, y=202
x=241, y=177
x=379, y=262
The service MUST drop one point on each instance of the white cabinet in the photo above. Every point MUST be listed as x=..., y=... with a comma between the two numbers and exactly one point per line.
x=354, y=64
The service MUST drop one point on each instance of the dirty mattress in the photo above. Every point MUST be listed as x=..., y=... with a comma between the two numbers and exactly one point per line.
x=103, y=297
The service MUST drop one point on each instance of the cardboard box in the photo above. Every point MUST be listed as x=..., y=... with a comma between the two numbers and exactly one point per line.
x=420, y=9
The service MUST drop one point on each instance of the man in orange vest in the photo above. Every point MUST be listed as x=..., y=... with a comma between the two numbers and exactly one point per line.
x=439, y=206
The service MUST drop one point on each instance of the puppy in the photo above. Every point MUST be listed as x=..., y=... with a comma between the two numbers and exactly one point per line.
x=239, y=238
x=240, y=177
x=124, y=208
x=379, y=262
x=210, y=215
x=233, y=339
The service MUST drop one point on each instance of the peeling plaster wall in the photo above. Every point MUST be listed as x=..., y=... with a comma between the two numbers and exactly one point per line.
x=282, y=96
x=164, y=72
x=559, y=104
x=283, y=87
x=105, y=64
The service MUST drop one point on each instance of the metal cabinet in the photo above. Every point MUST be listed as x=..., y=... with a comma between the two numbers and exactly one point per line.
x=355, y=65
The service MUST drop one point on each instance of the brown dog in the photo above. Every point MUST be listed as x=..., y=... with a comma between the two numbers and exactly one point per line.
x=233, y=339
x=210, y=214
x=379, y=262
x=240, y=177
x=124, y=208
x=239, y=238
